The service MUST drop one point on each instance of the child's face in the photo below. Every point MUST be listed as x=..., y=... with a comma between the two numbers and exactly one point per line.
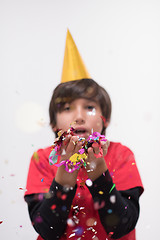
x=82, y=114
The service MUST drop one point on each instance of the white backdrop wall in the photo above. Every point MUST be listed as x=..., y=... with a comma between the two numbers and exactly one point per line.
x=119, y=41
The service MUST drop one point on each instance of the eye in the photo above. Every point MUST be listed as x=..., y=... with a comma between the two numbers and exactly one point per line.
x=66, y=107
x=91, y=110
x=90, y=107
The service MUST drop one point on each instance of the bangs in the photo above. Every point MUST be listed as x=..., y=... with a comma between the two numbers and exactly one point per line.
x=70, y=91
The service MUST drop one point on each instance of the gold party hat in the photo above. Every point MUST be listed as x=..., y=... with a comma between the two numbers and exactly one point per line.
x=73, y=66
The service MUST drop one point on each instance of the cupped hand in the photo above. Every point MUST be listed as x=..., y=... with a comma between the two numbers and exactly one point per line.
x=69, y=147
x=96, y=164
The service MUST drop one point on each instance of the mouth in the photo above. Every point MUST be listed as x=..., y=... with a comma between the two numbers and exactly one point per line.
x=81, y=132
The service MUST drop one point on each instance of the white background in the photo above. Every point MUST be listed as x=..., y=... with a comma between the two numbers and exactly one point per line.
x=119, y=41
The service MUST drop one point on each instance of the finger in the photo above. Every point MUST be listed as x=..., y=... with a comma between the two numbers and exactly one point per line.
x=90, y=154
x=91, y=160
x=95, y=147
x=71, y=146
x=105, y=146
x=78, y=146
x=66, y=141
x=64, y=145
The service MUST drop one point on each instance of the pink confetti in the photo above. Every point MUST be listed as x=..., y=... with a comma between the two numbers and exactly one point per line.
x=63, y=197
x=53, y=206
x=38, y=219
x=104, y=119
x=22, y=189
x=99, y=206
x=12, y=175
x=81, y=151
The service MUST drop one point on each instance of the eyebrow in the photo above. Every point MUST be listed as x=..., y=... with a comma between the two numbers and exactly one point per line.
x=92, y=101
x=88, y=101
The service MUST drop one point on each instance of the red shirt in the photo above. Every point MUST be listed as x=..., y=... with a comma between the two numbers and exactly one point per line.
x=123, y=170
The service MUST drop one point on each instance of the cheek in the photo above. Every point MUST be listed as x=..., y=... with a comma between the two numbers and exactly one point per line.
x=63, y=122
x=96, y=122
x=99, y=125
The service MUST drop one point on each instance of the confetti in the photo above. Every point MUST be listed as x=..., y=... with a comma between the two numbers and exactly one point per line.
x=82, y=184
x=63, y=152
x=79, y=231
x=41, y=123
x=111, y=233
x=103, y=119
x=89, y=182
x=113, y=199
x=53, y=157
x=109, y=211
x=53, y=206
x=72, y=235
x=100, y=192
x=38, y=219
x=63, y=197
x=59, y=133
x=78, y=159
x=64, y=208
x=98, y=206
x=12, y=175
x=70, y=222
x=22, y=189
x=35, y=156
x=91, y=222
x=112, y=188
x=48, y=195
x=40, y=196
x=92, y=113
x=96, y=238
x=81, y=151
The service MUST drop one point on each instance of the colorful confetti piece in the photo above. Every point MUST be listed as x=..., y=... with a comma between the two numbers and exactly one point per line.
x=112, y=188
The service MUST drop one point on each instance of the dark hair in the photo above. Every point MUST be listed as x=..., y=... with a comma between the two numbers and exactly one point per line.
x=84, y=88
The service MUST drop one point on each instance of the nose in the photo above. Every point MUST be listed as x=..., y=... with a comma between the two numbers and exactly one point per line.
x=79, y=116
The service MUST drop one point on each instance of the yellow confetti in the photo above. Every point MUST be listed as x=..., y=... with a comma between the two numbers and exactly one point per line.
x=75, y=158
x=59, y=133
x=72, y=123
x=82, y=184
x=35, y=157
x=100, y=192
x=74, y=143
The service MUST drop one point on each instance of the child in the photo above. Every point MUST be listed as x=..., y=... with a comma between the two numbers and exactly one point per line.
x=98, y=201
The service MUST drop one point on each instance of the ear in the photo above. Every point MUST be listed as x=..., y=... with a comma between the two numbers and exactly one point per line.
x=106, y=123
x=54, y=128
